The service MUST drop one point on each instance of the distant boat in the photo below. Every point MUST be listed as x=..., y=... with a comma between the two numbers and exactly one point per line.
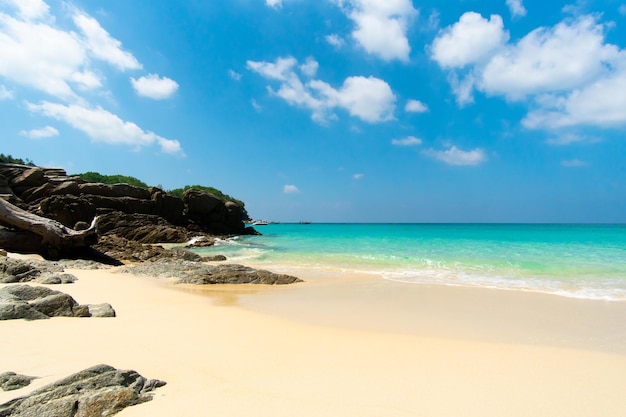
x=304, y=222
x=260, y=223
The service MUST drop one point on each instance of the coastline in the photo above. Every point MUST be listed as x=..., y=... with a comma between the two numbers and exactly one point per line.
x=352, y=346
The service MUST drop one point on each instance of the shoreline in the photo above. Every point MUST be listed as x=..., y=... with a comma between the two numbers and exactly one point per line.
x=270, y=351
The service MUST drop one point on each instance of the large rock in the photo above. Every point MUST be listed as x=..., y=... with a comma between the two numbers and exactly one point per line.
x=10, y=381
x=119, y=248
x=35, y=303
x=94, y=392
x=202, y=273
x=18, y=270
x=142, y=228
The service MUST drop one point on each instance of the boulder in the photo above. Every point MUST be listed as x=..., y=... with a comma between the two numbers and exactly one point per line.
x=33, y=177
x=119, y=248
x=58, y=279
x=18, y=270
x=10, y=381
x=98, y=391
x=35, y=303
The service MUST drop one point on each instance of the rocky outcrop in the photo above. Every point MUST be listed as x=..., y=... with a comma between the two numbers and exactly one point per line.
x=98, y=391
x=17, y=270
x=35, y=303
x=145, y=215
x=119, y=248
x=202, y=273
x=10, y=381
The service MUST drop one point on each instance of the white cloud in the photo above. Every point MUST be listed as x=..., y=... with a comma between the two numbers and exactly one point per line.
x=574, y=163
x=516, y=7
x=456, y=156
x=408, y=141
x=5, y=93
x=274, y=3
x=234, y=75
x=358, y=176
x=256, y=105
x=335, y=40
x=155, y=87
x=568, y=72
x=290, y=189
x=368, y=98
x=30, y=9
x=102, y=126
x=549, y=59
x=415, y=106
x=309, y=68
x=54, y=61
x=471, y=40
x=44, y=132
x=102, y=46
x=381, y=26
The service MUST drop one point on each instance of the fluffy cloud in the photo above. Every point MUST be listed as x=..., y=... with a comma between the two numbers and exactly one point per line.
x=290, y=189
x=44, y=132
x=456, y=156
x=234, y=75
x=415, y=106
x=55, y=61
x=335, y=40
x=103, y=126
x=408, y=141
x=309, y=68
x=381, y=26
x=568, y=71
x=516, y=8
x=368, y=98
x=154, y=86
x=471, y=40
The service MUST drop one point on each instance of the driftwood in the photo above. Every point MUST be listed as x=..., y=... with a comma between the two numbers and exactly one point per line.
x=29, y=233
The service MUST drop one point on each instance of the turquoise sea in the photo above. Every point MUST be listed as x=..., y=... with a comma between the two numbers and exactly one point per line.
x=583, y=261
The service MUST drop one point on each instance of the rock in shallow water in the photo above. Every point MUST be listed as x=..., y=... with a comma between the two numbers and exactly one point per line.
x=94, y=392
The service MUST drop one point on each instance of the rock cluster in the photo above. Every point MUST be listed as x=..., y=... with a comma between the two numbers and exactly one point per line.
x=98, y=391
x=202, y=273
x=36, y=302
x=17, y=270
x=144, y=215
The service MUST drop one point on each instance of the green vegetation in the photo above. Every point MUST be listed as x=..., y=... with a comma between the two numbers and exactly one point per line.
x=112, y=179
x=8, y=159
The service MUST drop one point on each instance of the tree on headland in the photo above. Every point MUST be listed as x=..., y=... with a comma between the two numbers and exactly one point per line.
x=8, y=159
x=111, y=179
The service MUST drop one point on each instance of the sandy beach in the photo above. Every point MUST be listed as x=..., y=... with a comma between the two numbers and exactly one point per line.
x=348, y=346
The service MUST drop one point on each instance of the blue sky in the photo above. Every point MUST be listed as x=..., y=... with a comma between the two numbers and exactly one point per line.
x=331, y=110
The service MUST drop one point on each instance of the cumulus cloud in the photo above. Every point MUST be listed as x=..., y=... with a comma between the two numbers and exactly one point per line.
x=456, y=156
x=471, y=40
x=44, y=132
x=381, y=26
x=367, y=98
x=408, y=141
x=516, y=7
x=415, y=106
x=55, y=61
x=568, y=71
x=155, y=87
x=309, y=68
x=102, y=126
x=30, y=9
x=290, y=189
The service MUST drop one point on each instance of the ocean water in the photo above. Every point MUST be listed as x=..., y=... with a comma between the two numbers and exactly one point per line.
x=582, y=261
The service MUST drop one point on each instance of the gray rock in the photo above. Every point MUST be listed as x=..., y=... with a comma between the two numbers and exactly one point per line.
x=10, y=381
x=58, y=279
x=101, y=310
x=202, y=273
x=17, y=270
x=214, y=258
x=35, y=303
x=94, y=392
